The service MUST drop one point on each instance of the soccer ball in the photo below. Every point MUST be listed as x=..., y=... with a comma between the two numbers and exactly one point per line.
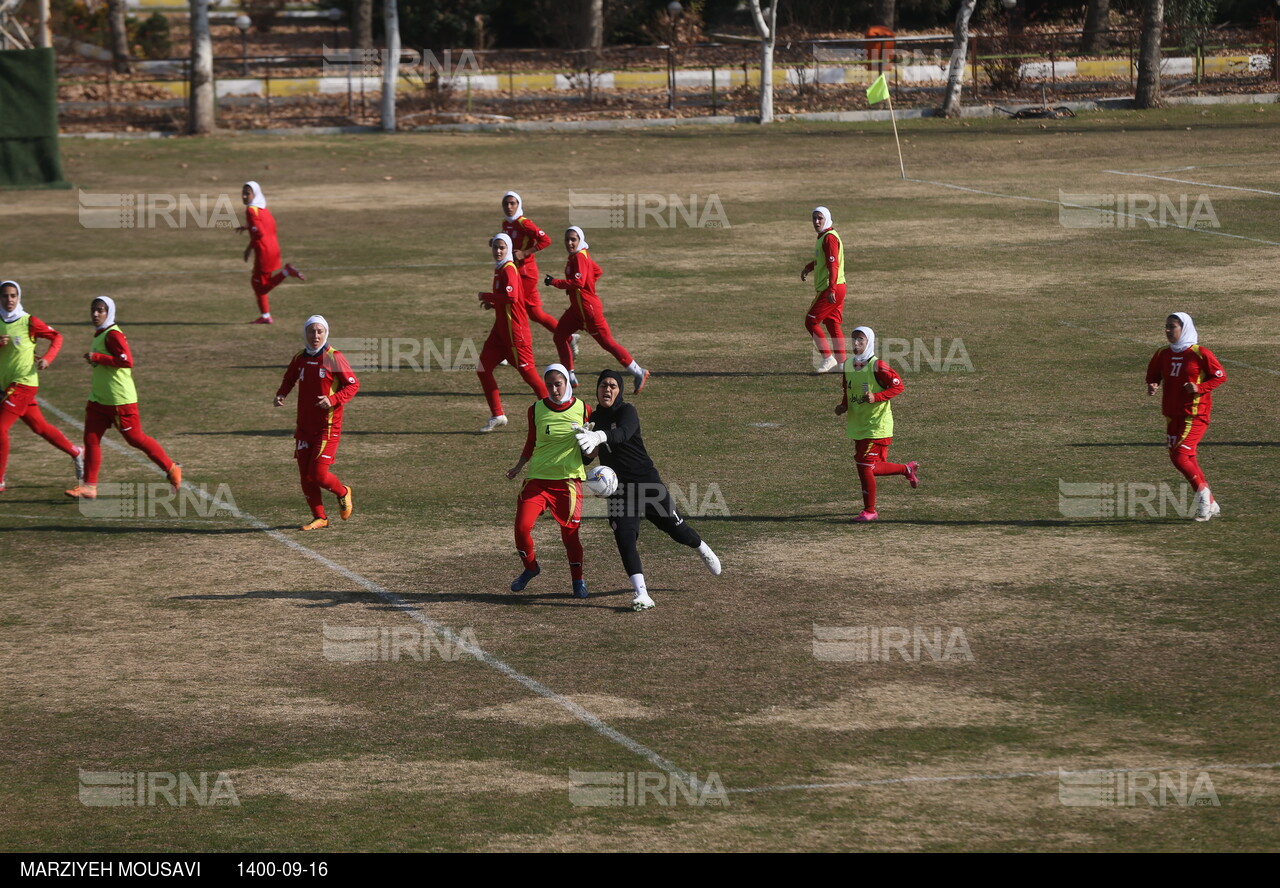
x=602, y=481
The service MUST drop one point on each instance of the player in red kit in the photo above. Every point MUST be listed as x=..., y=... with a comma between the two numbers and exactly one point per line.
x=1190, y=373
x=526, y=239
x=869, y=384
x=267, y=271
x=585, y=311
x=19, y=381
x=827, y=309
x=325, y=384
x=509, y=340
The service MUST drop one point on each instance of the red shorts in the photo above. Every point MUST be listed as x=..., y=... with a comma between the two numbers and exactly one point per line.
x=529, y=290
x=869, y=451
x=318, y=448
x=18, y=399
x=563, y=498
x=125, y=417
x=498, y=349
x=263, y=281
x=1183, y=433
x=822, y=310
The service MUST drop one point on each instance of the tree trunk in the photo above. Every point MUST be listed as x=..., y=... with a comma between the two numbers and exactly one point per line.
x=767, y=27
x=1148, y=93
x=362, y=24
x=119, y=37
x=44, y=37
x=884, y=12
x=959, y=49
x=593, y=36
x=391, y=68
x=200, y=118
x=1097, y=22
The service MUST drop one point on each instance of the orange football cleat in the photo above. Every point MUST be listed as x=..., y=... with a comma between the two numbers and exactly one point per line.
x=316, y=524
x=175, y=476
x=346, y=505
x=83, y=491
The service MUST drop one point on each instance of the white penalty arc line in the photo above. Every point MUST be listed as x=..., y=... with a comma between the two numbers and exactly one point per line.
x=1013, y=775
x=1230, y=361
x=1189, y=182
x=580, y=713
x=1060, y=203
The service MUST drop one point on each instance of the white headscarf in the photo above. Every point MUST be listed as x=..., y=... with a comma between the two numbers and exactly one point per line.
x=519, y=206
x=1188, y=337
x=10, y=316
x=315, y=319
x=860, y=360
x=826, y=215
x=258, y=200
x=568, y=389
x=582, y=238
x=511, y=252
x=111, y=310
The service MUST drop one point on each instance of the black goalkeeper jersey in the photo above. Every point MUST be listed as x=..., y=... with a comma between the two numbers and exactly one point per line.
x=624, y=450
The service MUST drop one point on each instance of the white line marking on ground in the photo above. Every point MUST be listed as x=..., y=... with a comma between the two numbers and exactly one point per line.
x=589, y=719
x=1189, y=182
x=1231, y=361
x=1014, y=775
x=1059, y=203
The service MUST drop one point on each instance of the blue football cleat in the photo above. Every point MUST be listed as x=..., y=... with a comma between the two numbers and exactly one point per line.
x=579, y=588
x=524, y=578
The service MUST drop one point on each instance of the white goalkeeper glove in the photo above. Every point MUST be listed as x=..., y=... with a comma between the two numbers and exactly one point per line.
x=588, y=438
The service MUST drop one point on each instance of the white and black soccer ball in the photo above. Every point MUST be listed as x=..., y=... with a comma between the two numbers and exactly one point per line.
x=602, y=481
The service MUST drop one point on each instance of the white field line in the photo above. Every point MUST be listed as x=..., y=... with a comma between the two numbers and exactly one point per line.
x=589, y=719
x=1233, y=362
x=1013, y=775
x=1190, y=182
x=1211, y=166
x=1059, y=203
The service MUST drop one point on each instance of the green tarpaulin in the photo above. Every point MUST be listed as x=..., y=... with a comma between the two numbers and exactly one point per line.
x=29, y=120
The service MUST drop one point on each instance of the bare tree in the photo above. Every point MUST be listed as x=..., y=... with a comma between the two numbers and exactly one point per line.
x=767, y=27
x=959, y=49
x=391, y=66
x=362, y=24
x=594, y=18
x=44, y=37
x=119, y=37
x=1148, y=92
x=1097, y=22
x=884, y=13
x=200, y=118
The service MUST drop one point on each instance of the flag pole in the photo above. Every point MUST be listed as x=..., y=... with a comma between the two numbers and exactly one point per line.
x=894, y=121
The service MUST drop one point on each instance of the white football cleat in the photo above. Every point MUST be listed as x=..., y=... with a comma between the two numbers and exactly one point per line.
x=828, y=364
x=710, y=559
x=573, y=346
x=1204, y=504
x=642, y=602
x=495, y=422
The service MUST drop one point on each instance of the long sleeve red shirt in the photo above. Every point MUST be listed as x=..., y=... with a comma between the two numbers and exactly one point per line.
x=118, y=353
x=528, y=237
x=325, y=373
x=262, y=237
x=831, y=258
x=887, y=377
x=580, y=275
x=511, y=319
x=1196, y=365
x=41, y=330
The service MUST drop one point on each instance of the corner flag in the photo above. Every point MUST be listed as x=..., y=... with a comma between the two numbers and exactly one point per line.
x=878, y=91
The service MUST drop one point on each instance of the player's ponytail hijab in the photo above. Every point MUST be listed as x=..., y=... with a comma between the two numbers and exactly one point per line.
x=827, y=224
x=860, y=359
x=568, y=389
x=519, y=206
x=1188, y=337
x=259, y=201
x=315, y=319
x=111, y=310
x=510, y=249
x=10, y=316
x=582, y=238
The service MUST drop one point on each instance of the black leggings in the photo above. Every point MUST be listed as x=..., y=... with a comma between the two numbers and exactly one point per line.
x=645, y=499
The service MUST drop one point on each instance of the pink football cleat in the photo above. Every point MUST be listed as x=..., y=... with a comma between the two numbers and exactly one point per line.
x=266, y=320
x=291, y=269
x=913, y=477
x=866, y=515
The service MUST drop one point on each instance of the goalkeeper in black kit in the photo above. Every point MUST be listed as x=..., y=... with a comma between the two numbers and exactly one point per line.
x=614, y=436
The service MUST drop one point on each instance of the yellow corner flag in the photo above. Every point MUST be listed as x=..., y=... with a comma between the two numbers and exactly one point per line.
x=878, y=91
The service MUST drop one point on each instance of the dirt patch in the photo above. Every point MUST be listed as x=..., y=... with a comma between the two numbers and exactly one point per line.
x=540, y=712
x=337, y=780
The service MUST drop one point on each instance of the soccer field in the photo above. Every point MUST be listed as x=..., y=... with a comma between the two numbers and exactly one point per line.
x=921, y=683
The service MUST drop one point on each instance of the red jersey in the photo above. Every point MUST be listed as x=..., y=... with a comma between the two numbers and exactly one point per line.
x=526, y=236
x=1196, y=365
x=325, y=373
x=262, y=237
x=887, y=377
x=581, y=273
x=511, y=320
x=118, y=353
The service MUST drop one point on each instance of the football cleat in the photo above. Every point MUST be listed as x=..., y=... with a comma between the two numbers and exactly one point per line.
x=292, y=270
x=316, y=524
x=266, y=320
x=1206, y=506
x=573, y=343
x=828, y=364
x=174, y=475
x=579, y=588
x=346, y=505
x=638, y=381
x=913, y=476
x=2, y=485
x=866, y=515
x=642, y=602
x=78, y=460
x=712, y=562
x=495, y=422
x=83, y=491
x=524, y=578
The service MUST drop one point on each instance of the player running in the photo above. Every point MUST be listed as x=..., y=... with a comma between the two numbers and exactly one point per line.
x=869, y=384
x=526, y=240
x=113, y=400
x=585, y=310
x=555, y=476
x=1190, y=373
x=325, y=384
x=19, y=379
x=267, y=271
x=616, y=439
x=509, y=340
x=828, y=281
